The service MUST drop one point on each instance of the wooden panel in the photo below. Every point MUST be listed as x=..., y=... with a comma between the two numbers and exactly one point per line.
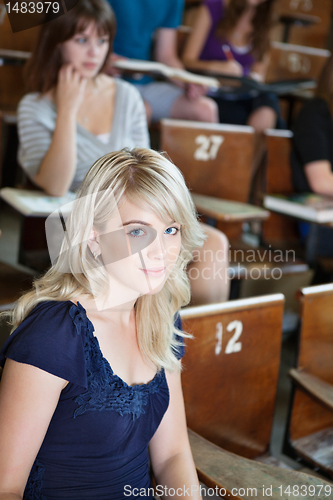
x=230, y=383
x=278, y=228
x=216, y=160
x=289, y=62
x=12, y=86
x=315, y=356
x=23, y=40
x=312, y=36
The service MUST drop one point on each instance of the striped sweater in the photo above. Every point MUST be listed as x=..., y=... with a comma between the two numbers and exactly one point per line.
x=36, y=123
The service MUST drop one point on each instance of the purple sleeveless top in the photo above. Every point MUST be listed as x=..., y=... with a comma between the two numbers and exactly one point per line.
x=213, y=50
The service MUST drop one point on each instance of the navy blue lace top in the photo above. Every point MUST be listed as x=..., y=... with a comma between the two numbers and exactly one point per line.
x=97, y=440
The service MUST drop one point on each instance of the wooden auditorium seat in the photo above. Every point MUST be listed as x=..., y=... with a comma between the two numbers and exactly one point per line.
x=231, y=369
x=232, y=476
x=212, y=157
x=279, y=231
x=310, y=429
x=12, y=86
x=312, y=20
x=216, y=160
x=290, y=62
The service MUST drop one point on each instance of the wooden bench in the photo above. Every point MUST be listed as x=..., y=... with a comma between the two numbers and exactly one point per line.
x=232, y=476
x=310, y=429
x=231, y=369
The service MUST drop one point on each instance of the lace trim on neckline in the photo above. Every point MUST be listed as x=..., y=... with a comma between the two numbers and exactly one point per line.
x=106, y=390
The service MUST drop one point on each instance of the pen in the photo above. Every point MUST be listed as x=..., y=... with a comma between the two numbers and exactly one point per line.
x=227, y=52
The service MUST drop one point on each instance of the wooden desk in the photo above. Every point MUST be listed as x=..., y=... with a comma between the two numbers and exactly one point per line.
x=312, y=238
x=228, y=211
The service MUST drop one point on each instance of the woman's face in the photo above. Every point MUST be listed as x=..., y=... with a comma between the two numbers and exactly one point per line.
x=139, y=250
x=86, y=51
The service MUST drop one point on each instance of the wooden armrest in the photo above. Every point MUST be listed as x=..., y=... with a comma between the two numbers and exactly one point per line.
x=318, y=389
x=233, y=475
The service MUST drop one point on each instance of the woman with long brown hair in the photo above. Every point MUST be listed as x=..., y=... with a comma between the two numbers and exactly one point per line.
x=232, y=37
x=75, y=113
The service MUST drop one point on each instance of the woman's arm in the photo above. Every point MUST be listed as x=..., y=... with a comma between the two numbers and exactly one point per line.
x=259, y=69
x=195, y=44
x=170, y=451
x=57, y=169
x=28, y=398
x=320, y=177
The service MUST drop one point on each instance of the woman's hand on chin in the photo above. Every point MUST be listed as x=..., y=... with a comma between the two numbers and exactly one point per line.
x=70, y=89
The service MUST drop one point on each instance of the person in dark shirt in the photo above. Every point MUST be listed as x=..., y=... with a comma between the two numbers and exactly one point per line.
x=312, y=153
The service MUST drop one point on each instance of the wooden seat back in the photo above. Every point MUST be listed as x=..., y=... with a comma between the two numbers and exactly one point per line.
x=290, y=62
x=315, y=355
x=231, y=371
x=277, y=180
x=216, y=160
x=12, y=86
x=314, y=35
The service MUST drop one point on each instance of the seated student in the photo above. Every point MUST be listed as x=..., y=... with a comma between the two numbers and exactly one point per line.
x=232, y=37
x=154, y=22
x=76, y=113
x=312, y=153
x=91, y=387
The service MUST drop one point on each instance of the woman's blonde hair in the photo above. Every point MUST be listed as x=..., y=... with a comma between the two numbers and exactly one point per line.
x=148, y=179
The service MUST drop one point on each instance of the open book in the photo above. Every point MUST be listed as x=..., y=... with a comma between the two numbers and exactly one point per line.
x=306, y=206
x=34, y=203
x=152, y=67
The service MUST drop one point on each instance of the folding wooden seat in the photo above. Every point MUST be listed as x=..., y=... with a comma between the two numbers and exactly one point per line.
x=216, y=159
x=290, y=62
x=309, y=21
x=310, y=429
x=278, y=230
x=12, y=86
x=231, y=371
x=232, y=476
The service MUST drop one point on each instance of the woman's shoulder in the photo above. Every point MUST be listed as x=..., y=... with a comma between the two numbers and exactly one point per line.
x=314, y=112
x=52, y=338
x=126, y=88
x=34, y=103
x=315, y=106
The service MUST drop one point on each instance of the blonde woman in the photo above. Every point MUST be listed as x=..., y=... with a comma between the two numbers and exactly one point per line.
x=91, y=382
